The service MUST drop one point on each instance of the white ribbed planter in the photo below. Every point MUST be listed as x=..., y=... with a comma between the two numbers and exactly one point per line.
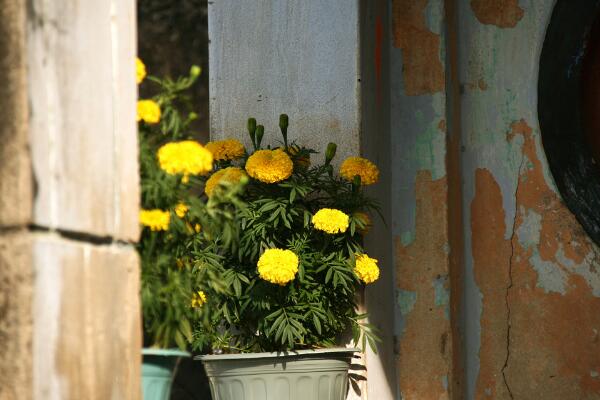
x=304, y=375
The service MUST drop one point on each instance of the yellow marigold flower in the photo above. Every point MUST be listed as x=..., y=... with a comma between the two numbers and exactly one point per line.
x=365, y=220
x=198, y=299
x=187, y=157
x=224, y=150
x=148, y=111
x=156, y=220
x=278, y=266
x=140, y=70
x=330, y=220
x=352, y=166
x=366, y=268
x=229, y=174
x=269, y=166
x=181, y=209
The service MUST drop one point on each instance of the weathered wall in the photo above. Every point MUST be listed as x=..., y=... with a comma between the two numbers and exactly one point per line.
x=523, y=314
x=69, y=308
x=269, y=57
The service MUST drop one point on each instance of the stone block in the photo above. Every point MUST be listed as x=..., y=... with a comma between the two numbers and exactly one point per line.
x=16, y=321
x=83, y=136
x=87, y=326
x=15, y=168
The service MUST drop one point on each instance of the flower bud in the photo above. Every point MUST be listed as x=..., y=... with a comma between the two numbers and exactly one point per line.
x=330, y=152
x=356, y=183
x=284, y=121
x=195, y=71
x=283, y=125
x=260, y=132
x=252, y=130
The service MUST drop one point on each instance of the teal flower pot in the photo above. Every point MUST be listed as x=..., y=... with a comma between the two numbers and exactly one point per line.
x=158, y=370
x=307, y=375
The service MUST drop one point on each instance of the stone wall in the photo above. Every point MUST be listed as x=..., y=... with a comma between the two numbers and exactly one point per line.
x=69, y=275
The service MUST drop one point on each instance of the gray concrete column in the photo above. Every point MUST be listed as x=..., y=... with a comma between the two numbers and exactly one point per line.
x=324, y=64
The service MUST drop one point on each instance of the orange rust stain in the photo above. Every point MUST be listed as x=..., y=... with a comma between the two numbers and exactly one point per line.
x=425, y=345
x=422, y=70
x=556, y=359
x=502, y=13
x=491, y=257
x=442, y=125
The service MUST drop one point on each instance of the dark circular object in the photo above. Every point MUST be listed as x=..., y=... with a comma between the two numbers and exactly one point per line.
x=561, y=114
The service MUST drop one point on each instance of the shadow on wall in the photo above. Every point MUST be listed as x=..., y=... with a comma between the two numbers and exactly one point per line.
x=173, y=36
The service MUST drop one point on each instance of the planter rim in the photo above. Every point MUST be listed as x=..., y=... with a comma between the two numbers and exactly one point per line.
x=250, y=356
x=151, y=351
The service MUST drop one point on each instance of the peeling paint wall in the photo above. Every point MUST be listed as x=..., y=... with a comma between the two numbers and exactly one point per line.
x=528, y=306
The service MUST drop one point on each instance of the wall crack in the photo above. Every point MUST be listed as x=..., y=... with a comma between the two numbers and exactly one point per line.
x=510, y=276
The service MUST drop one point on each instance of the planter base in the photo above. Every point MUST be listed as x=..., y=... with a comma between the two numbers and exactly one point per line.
x=304, y=375
x=158, y=370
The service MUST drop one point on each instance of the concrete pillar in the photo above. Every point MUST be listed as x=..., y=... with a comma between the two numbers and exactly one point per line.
x=324, y=64
x=424, y=139
x=69, y=274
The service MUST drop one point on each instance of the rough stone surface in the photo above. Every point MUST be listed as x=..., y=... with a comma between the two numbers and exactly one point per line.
x=422, y=70
x=15, y=166
x=300, y=58
x=82, y=95
x=501, y=13
x=425, y=353
x=16, y=319
x=87, y=328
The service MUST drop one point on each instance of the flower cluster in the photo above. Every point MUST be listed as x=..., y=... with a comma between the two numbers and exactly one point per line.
x=148, y=111
x=331, y=220
x=156, y=220
x=269, y=166
x=226, y=150
x=262, y=250
x=140, y=70
x=198, y=299
x=187, y=157
x=366, y=268
x=358, y=166
x=229, y=174
x=278, y=266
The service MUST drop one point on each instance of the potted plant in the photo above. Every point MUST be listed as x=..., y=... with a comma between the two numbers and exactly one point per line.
x=291, y=273
x=253, y=257
x=171, y=216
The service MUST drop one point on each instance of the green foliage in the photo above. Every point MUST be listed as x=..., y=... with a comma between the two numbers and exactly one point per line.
x=239, y=222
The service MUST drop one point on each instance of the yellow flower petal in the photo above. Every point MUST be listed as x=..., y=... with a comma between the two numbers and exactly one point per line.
x=269, y=166
x=278, y=266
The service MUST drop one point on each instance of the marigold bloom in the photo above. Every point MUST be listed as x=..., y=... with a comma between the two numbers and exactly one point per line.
x=366, y=268
x=198, y=299
x=278, y=266
x=156, y=220
x=365, y=220
x=352, y=166
x=269, y=166
x=229, y=174
x=187, y=157
x=181, y=209
x=224, y=150
x=140, y=70
x=330, y=220
x=148, y=111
